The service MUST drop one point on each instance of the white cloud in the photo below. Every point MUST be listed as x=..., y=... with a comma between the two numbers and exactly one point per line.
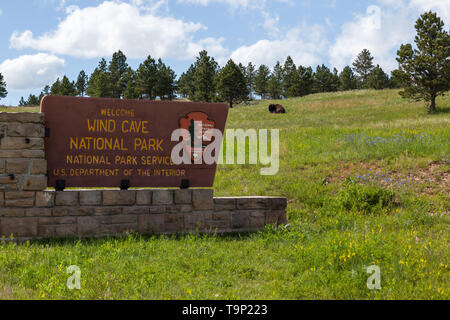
x=304, y=44
x=381, y=31
x=1, y=12
x=113, y=25
x=30, y=72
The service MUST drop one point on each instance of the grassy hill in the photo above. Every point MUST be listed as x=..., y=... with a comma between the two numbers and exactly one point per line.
x=367, y=178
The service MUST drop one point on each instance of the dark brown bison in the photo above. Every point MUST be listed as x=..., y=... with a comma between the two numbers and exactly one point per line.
x=276, y=108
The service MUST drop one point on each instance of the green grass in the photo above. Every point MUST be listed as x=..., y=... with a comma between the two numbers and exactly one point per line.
x=331, y=144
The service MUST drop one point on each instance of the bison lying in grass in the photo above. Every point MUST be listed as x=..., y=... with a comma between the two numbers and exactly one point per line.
x=276, y=108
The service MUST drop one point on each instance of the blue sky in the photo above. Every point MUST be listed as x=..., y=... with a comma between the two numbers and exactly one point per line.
x=41, y=40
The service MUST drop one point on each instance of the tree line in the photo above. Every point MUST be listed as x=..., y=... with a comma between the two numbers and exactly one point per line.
x=424, y=73
x=206, y=81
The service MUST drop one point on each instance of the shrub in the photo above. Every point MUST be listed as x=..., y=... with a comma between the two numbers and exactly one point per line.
x=362, y=198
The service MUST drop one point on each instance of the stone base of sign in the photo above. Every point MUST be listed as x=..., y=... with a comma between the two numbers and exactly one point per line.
x=90, y=213
x=29, y=212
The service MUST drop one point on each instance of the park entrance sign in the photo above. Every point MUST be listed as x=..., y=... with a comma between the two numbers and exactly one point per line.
x=94, y=142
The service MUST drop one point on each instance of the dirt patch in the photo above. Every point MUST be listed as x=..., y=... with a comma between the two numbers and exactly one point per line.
x=434, y=178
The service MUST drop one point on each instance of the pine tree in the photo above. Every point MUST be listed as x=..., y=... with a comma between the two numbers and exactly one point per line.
x=425, y=72
x=363, y=66
x=146, y=79
x=185, y=84
x=56, y=88
x=231, y=84
x=378, y=79
x=347, y=79
x=324, y=79
x=99, y=84
x=289, y=72
x=117, y=68
x=67, y=88
x=302, y=82
x=3, y=92
x=130, y=89
x=250, y=75
x=165, y=84
x=206, y=69
x=22, y=102
x=275, y=82
x=262, y=81
x=32, y=100
x=82, y=82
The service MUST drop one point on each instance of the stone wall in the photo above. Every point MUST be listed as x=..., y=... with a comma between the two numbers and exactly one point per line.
x=29, y=211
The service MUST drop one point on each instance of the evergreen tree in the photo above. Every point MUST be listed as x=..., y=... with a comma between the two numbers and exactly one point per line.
x=99, y=84
x=32, y=100
x=275, y=82
x=378, y=79
x=56, y=88
x=395, y=81
x=185, y=84
x=425, y=72
x=206, y=69
x=289, y=72
x=22, y=102
x=231, y=84
x=117, y=68
x=165, y=84
x=130, y=89
x=262, y=81
x=324, y=79
x=363, y=66
x=250, y=75
x=146, y=79
x=67, y=88
x=347, y=79
x=302, y=82
x=3, y=91
x=82, y=82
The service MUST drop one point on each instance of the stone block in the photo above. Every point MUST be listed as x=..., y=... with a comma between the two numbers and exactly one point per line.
x=217, y=225
x=45, y=199
x=157, y=209
x=2, y=166
x=57, y=220
x=88, y=226
x=38, y=212
x=173, y=222
x=152, y=223
x=248, y=203
x=120, y=219
x=12, y=212
x=36, y=183
x=194, y=222
x=2, y=198
x=143, y=197
x=17, y=166
x=278, y=203
x=257, y=220
x=117, y=229
x=36, y=154
x=107, y=211
x=183, y=196
x=14, y=143
x=240, y=220
x=19, y=227
x=90, y=198
x=224, y=204
x=38, y=167
x=135, y=210
x=202, y=199
x=66, y=230
x=29, y=130
x=179, y=208
x=162, y=197
x=26, y=117
x=119, y=197
x=66, y=198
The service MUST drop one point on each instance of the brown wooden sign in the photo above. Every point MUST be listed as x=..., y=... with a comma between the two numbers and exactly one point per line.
x=93, y=142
